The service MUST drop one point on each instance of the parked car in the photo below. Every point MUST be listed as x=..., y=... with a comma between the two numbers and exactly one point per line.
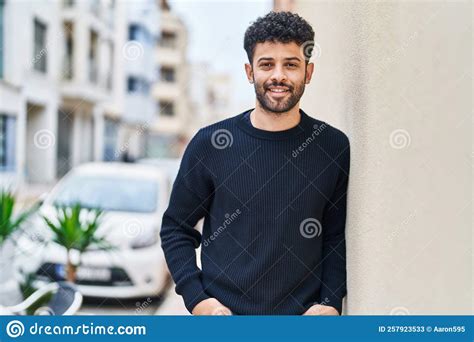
x=169, y=166
x=133, y=198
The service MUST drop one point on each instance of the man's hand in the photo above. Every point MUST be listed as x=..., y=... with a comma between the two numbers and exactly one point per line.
x=321, y=310
x=211, y=307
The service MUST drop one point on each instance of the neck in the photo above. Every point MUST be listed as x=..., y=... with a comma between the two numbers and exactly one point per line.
x=271, y=121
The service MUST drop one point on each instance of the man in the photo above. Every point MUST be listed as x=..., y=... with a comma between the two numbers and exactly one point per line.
x=271, y=185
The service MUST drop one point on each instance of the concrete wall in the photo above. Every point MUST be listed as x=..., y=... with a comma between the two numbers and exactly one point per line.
x=397, y=77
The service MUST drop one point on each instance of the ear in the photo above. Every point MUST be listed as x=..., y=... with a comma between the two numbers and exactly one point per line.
x=309, y=72
x=249, y=72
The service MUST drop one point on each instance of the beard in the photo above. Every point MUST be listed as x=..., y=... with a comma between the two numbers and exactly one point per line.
x=280, y=105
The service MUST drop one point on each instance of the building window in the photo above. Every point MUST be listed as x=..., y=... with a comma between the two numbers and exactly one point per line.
x=93, y=59
x=69, y=50
x=167, y=74
x=138, y=85
x=110, y=140
x=168, y=39
x=132, y=84
x=134, y=32
x=110, y=70
x=7, y=142
x=167, y=108
x=40, y=52
x=140, y=33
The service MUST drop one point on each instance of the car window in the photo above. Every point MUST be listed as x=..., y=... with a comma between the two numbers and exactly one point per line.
x=109, y=193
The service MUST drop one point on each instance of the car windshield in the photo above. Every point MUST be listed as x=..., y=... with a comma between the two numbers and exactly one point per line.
x=109, y=193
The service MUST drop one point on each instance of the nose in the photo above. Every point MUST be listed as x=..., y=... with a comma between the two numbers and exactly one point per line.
x=278, y=75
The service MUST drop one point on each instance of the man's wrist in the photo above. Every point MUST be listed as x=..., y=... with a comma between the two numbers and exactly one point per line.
x=192, y=294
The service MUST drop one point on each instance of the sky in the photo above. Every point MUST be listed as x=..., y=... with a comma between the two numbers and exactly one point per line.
x=215, y=35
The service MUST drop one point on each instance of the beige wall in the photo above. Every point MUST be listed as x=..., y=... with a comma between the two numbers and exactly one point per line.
x=397, y=77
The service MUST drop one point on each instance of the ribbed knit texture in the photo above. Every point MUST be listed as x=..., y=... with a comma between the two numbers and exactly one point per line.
x=274, y=208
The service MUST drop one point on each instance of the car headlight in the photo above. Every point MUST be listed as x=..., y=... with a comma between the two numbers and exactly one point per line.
x=146, y=239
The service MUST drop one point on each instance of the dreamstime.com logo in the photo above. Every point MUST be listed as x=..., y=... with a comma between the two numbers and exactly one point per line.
x=16, y=329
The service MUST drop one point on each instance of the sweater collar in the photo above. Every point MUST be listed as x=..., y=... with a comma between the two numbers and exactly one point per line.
x=244, y=123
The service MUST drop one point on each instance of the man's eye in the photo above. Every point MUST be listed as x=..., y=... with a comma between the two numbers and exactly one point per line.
x=291, y=65
x=267, y=65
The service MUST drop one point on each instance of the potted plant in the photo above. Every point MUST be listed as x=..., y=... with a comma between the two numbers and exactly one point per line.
x=76, y=229
x=9, y=224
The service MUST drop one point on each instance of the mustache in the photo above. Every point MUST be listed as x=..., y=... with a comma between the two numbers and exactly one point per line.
x=276, y=84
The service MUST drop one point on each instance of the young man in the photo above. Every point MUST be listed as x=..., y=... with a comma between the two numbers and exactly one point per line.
x=271, y=185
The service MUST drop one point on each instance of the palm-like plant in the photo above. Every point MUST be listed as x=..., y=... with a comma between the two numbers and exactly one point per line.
x=74, y=233
x=8, y=223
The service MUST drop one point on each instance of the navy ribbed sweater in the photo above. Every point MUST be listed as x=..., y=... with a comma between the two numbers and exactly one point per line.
x=274, y=209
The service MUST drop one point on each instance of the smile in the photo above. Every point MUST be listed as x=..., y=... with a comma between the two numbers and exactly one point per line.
x=278, y=90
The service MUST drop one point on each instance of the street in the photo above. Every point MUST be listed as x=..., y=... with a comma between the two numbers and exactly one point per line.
x=169, y=304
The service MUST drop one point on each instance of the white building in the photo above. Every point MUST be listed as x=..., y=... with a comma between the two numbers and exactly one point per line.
x=75, y=84
x=141, y=20
x=29, y=90
x=169, y=131
x=211, y=95
x=88, y=51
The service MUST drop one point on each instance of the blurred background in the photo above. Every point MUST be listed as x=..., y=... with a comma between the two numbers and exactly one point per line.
x=96, y=95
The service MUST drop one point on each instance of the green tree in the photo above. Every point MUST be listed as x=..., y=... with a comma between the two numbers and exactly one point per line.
x=74, y=233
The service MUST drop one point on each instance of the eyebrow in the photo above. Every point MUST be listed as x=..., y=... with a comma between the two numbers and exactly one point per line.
x=271, y=58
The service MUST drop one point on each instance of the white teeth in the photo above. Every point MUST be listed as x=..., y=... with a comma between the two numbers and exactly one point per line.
x=278, y=90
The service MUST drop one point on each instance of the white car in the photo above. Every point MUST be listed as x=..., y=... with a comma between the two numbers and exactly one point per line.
x=133, y=198
x=169, y=166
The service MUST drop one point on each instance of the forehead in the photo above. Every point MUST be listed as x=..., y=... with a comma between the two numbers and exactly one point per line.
x=277, y=50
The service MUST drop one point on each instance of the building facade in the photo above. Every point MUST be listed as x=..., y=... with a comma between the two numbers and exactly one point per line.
x=169, y=132
x=75, y=84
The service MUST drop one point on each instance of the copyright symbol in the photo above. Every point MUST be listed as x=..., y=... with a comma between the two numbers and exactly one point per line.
x=429, y=329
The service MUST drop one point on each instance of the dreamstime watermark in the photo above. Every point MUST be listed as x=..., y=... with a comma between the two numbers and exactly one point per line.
x=404, y=223
x=326, y=301
x=310, y=48
x=229, y=218
x=221, y=139
x=44, y=139
x=404, y=46
x=399, y=139
x=132, y=228
x=132, y=50
x=139, y=130
x=39, y=56
x=310, y=227
x=399, y=311
x=316, y=309
x=16, y=329
x=317, y=131
x=142, y=306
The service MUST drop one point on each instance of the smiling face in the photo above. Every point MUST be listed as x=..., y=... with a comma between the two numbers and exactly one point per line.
x=279, y=73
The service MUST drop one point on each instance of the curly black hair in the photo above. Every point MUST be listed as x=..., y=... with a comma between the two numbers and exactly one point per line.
x=283, y=27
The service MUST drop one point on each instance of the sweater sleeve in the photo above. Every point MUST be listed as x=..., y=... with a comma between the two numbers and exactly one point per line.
x=333, y=287
x=190, y=199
